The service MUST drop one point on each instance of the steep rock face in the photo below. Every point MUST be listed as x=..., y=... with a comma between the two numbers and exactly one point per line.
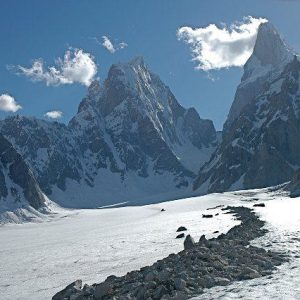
x=293, y=187
x=49, y=149
x=261, y=138
x=130, y=141
x=270, y=55
x=18, y=186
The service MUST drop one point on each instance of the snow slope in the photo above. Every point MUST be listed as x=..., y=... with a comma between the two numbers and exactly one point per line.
x=37, y=260
x=283, y=222
x=92, y=244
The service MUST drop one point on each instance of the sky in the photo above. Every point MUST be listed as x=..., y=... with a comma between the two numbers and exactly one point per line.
x=51, y=50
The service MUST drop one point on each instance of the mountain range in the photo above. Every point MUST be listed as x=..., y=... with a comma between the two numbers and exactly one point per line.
x=131, y=141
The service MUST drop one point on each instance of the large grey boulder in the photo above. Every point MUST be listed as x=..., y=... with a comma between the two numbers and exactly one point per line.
x=69, y=290
x=189, y=242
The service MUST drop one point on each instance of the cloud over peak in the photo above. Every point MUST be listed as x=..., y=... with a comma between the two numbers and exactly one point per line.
x=109, y=45
x=76, y=66
x=8, y=103
x=53, y=114
x=216, y=47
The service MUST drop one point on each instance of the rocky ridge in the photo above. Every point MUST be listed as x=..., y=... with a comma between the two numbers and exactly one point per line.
x=18, y=186
x=260, y=144
x=129, y=141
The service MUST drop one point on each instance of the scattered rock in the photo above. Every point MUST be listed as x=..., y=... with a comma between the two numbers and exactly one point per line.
x=162, y=209
x=181, y=276
x=217, y=231
x=102, y=289
x=221, y=281
x=207, y=216
x=202, y=239
x=163, y=275
x=179, y=236
x=179, y=284
x=151, y=275
x=189, y=242
x=218, y=206
x=159, y=292
x=181, y=228
x=259, y=205
x=70, y=289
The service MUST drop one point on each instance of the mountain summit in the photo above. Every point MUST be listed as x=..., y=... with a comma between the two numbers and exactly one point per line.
x=270, y=49
x=270, y=55
x=130, y=141
x=261, y=137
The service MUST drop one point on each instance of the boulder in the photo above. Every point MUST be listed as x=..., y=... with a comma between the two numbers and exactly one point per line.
x=163, y=275
x=150, y=276
x=259, y=205
x=68, y=290
x=179, y=236
x=179, y=284
x=102, y=289
x=202, y=239
x=207, y=216
x=221, y=281
x=181, y=228
x=189, y=242
x=160, y=292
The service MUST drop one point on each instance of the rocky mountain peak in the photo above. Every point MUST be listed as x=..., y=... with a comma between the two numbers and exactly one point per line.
x=270, y=52
x=270, y=56
x=137, y=61
x=94, y=88
x=270, y=48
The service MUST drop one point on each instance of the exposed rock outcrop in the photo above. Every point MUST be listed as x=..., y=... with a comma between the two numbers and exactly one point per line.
x=261, y=138
x=18, y=186
x=129, y=141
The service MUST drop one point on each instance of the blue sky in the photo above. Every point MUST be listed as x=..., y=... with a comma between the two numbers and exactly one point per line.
x=46, y=29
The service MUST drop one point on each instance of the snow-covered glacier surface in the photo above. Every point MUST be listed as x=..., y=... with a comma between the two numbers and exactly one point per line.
x=37, y=260
x=283, y=222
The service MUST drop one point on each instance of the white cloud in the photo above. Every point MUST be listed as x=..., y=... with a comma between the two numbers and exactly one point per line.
x=213, y=47
x=123, y=45
x=54, y=114
x=109, y=45
x=75, y=67
x=8, y=103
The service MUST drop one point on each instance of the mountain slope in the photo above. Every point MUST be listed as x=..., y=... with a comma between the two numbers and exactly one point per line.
x=19, y=190
x=130, y=141
x=261, y=137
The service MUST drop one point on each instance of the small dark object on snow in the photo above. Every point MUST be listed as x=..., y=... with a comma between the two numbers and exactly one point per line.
x=179, y=236
x=217, y=231
x=207, y=216
x=181, y=228
x=259, y=205
x=162, y=209
x=217, y=214
x=218, y=206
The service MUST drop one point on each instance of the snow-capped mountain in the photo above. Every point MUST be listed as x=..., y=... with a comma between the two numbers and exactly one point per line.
x=130, y=141
x=18, y=187
x=261, y=139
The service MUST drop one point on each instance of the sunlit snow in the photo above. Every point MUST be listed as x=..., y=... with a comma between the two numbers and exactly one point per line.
x=37, y=260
